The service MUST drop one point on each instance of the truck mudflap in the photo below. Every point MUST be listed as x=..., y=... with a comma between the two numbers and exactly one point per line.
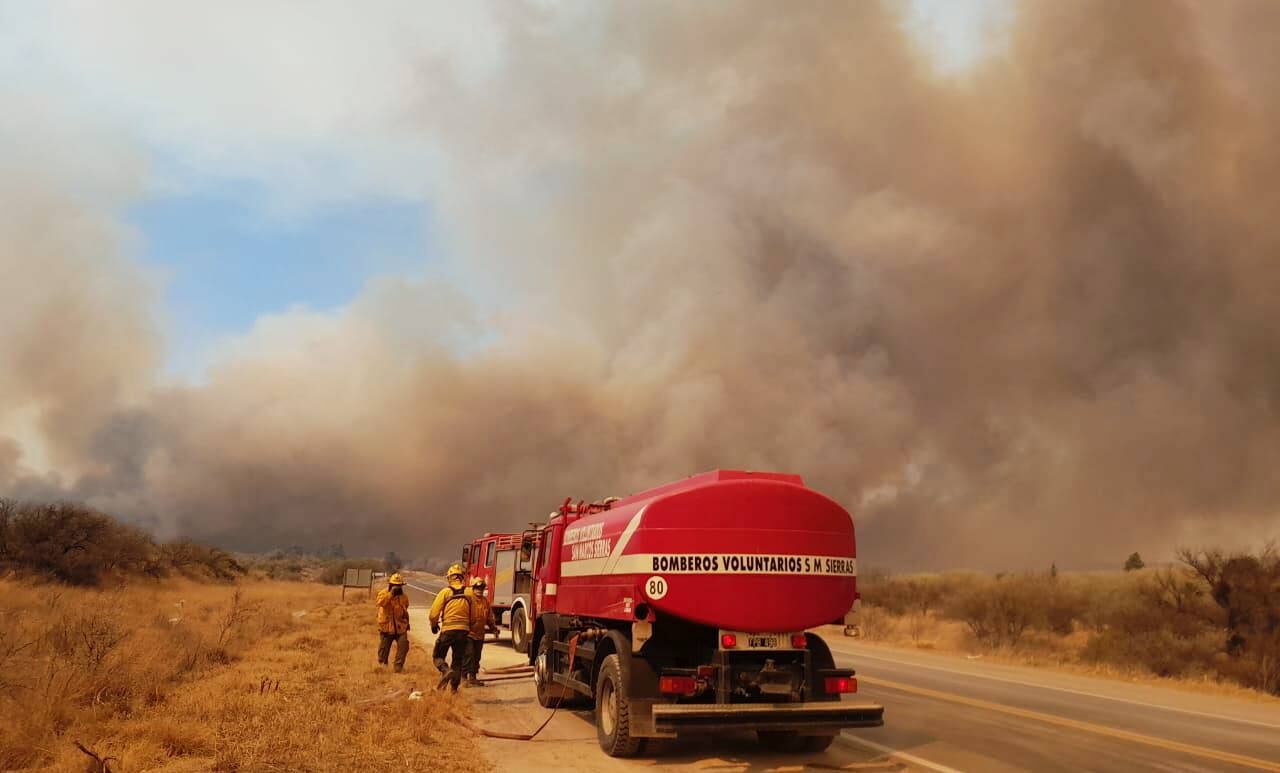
x=671, y=719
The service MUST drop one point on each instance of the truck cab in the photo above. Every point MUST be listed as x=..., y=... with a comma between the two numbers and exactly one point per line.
x=505, y=561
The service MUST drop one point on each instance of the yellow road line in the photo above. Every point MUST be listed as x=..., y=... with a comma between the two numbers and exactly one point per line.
x=1075, y=724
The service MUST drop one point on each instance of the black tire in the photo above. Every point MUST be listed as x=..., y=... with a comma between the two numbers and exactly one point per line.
x=791, y=742
x=519, y=631
x=814, y=743
x=776, y=740
x=613, y=711
x=549, y=695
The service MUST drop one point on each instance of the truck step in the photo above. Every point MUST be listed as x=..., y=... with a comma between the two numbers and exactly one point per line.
x=673, y=718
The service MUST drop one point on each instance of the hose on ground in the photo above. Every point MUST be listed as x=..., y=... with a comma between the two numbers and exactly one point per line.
x=573, y=651
x=488, y=679
x=510, y=670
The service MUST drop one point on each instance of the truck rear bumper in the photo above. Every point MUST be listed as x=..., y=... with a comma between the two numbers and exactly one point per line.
x=671, y=719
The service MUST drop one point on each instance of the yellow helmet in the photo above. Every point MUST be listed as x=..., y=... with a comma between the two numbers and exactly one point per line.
x=456, y=570
x=395, y=579
x=478, y=582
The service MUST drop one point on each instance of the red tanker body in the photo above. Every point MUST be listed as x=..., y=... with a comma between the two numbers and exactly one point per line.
x=750, y=552
x=685, y=608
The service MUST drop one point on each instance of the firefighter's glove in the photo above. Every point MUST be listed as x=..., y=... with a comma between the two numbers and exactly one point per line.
x=435, y=628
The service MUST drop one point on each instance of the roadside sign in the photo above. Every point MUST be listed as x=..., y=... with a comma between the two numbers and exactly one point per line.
x=358, y=578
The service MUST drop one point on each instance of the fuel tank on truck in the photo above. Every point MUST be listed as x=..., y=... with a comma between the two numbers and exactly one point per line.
x=742, y=551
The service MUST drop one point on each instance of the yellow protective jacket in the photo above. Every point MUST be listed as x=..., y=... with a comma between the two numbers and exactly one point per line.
x=482, y=617
x=393, y=612
x=452, y=608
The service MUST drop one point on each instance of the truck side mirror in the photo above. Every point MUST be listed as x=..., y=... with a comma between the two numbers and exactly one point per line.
x=466, y=555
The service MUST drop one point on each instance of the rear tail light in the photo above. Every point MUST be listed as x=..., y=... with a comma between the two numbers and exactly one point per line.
x=677, y=685
x=728, y=641
x=834, y=685
x=798, y=641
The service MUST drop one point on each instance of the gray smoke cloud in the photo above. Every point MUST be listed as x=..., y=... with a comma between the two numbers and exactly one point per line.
x=1012, y=317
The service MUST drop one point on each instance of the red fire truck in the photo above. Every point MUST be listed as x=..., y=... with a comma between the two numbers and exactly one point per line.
x=504, y=561
x=685, y=609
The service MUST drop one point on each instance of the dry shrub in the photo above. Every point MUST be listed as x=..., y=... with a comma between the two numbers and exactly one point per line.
x=999, y=611
x=876, y=624
x=77, y=545
x=1217, y=615
x=201, y=562
x=1158, y=651
x=906, y=595
x=1064, y=605
x=71, y=543
x=1245, y=588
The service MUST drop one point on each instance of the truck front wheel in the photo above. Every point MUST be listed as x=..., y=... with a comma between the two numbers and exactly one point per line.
x=550, y=695
x=613, y=711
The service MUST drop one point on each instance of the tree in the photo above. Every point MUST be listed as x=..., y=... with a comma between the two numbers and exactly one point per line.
x=1246, y=589
x=1134, y=561
x=392, y=562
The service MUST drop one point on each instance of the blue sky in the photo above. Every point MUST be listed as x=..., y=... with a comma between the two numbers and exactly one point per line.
x=226, y=257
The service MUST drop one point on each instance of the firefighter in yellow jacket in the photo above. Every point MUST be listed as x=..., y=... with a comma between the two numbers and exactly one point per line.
x=393, y=621
x=481, y=622
x=451, y=615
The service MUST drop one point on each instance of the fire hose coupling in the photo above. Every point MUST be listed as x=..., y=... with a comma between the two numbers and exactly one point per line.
x=591, y=634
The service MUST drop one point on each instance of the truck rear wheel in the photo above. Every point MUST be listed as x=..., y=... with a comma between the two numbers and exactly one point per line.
x=814, y=743
x=791, y=742
x=613, y=711
x=519, y=631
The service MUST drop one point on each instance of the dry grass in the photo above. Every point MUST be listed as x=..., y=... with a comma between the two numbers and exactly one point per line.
x=266, y=676
x=1153, y=625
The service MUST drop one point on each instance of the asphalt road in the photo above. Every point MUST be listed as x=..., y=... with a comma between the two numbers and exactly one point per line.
x=949, y=713
x=952, y=714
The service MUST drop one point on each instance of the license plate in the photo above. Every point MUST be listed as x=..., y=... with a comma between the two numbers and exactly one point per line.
x=759, y=641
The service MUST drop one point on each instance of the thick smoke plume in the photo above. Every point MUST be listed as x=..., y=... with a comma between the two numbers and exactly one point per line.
x=1023, y=315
